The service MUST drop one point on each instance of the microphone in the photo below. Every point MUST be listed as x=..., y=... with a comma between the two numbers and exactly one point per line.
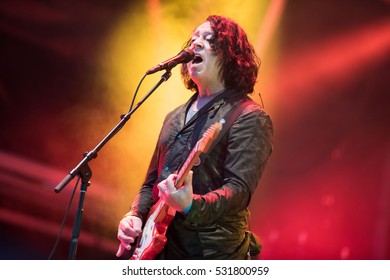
x=184, y=56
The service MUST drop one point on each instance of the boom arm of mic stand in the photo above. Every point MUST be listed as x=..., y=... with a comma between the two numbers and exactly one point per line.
x=93, y=154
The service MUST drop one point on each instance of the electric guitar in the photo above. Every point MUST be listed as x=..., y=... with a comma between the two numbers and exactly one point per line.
x=153, y=239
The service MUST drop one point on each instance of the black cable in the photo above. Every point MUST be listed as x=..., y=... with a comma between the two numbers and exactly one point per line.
x=261, y=99
x=63, y=220
x=136, y=91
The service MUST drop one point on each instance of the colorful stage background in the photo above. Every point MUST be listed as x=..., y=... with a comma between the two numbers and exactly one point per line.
x=69, y=69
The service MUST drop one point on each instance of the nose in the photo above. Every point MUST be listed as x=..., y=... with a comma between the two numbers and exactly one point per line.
x=197, y=44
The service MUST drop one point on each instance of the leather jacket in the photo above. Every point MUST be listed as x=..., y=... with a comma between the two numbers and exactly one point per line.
x=223, y=183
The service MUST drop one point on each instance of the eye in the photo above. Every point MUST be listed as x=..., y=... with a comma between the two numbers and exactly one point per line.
x=209, y=38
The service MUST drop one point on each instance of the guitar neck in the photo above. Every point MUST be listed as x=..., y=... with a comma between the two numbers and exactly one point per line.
x=201, y=146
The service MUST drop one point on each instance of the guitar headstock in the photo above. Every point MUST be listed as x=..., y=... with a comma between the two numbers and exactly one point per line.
x=209, y=136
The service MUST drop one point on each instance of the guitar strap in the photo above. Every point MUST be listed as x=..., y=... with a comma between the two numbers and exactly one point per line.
x=229, y=119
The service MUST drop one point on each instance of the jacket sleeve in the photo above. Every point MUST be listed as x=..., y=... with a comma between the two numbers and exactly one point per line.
x=144, y=198
x=249, y=146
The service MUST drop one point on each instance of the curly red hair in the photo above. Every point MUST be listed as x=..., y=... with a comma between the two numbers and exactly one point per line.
x=239, y=62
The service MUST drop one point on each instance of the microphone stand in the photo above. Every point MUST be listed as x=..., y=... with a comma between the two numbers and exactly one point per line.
x=84, y=171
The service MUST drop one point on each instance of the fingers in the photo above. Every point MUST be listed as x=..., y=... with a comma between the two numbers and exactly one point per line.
x=124, y=238
x=120, y=251
x=122, y=246
x=137, y=224
x=129, y=228
x=162, y=190
x=167, y=186
x=188, y=179
x=125, y=242
x=170, y=183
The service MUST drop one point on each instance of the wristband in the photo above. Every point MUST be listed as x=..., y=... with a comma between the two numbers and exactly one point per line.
x=185, y=211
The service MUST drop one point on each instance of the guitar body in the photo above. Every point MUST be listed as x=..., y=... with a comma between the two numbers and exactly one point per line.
x=152, y=240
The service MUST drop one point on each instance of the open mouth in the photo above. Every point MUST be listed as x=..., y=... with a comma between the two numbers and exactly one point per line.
x=197, y=59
